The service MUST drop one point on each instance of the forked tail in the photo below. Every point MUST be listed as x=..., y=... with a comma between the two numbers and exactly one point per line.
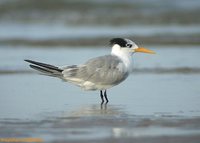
x=45, y=69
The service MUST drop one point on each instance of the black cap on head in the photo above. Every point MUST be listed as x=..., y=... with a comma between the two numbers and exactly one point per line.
x=120, y=41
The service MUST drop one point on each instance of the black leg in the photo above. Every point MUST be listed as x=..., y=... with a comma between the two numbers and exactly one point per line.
x=101, y=94
x=105, y=95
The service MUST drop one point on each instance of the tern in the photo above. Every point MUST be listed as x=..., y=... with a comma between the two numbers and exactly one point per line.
x=100, y=73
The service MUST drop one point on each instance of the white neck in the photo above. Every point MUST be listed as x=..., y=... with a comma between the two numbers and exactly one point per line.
x=124, y=55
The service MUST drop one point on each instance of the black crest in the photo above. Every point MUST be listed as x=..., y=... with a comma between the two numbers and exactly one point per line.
x=120, y=41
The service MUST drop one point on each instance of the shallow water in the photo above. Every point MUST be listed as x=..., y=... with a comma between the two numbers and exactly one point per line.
x=63, y=22
x=167, y=56
x=158, y=103
x=146, y=107
x=171, y=93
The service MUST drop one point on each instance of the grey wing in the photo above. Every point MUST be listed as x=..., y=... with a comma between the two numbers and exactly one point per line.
x=104, y=70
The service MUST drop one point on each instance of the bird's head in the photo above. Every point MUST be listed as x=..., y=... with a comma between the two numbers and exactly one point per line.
x=126, y=46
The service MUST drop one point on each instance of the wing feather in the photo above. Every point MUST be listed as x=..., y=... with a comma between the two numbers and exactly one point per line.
x=105, y=70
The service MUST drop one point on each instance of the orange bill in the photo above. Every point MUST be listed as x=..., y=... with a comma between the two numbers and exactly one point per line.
x=143, y=50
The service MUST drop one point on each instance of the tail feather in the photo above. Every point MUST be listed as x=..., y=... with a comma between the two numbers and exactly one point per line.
x=40, y=69
x=48, y=66
x=45, y=68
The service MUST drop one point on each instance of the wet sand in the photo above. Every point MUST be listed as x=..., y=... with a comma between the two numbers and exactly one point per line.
x=108, y=124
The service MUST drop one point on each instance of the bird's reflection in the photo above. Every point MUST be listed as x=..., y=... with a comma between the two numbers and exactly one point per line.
x=103, y=106
x=98, y=110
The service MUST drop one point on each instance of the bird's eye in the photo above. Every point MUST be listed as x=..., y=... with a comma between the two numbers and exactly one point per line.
x=128, y=45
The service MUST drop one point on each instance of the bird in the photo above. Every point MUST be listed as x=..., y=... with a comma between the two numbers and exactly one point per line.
x=99, y=73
